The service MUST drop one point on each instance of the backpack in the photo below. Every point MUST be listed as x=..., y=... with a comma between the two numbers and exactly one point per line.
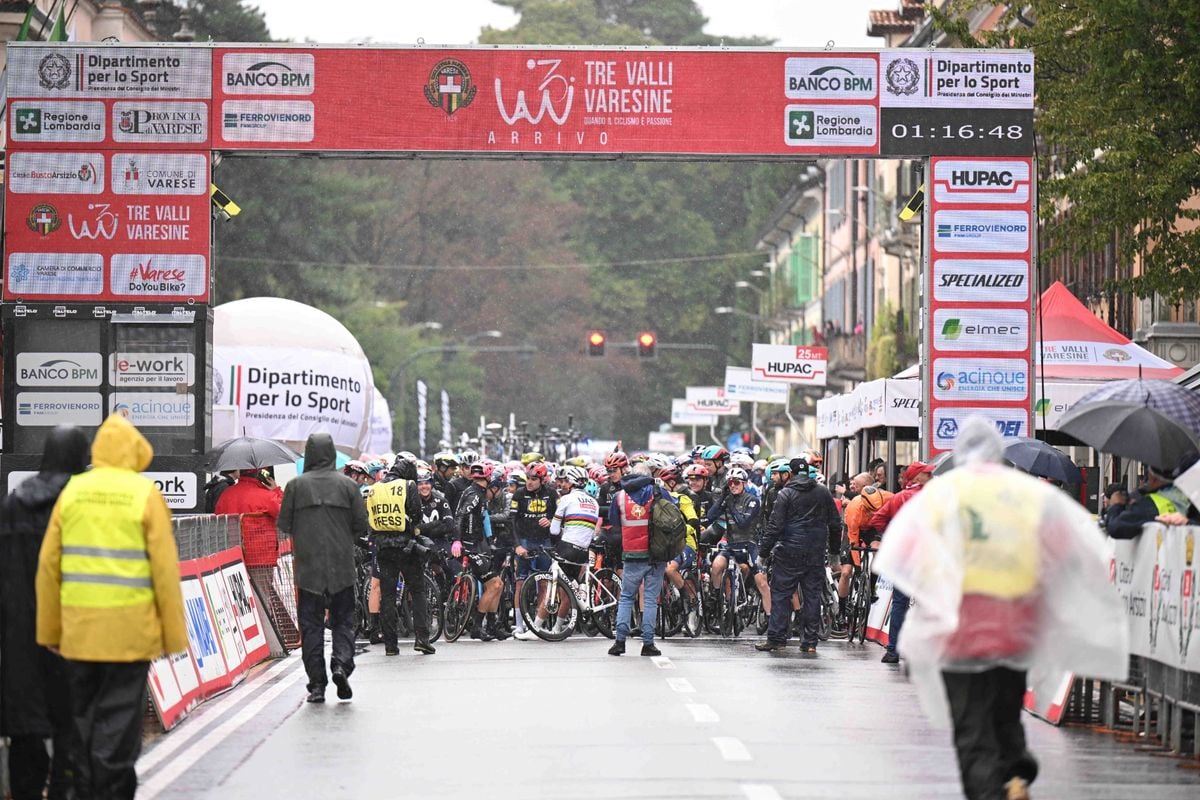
x=668, y=529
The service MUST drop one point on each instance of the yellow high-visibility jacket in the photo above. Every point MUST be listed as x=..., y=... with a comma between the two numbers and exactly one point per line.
x=108, y=572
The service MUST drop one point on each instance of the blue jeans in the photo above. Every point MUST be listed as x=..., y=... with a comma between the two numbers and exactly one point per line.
x=637, y=573
x=899, y=612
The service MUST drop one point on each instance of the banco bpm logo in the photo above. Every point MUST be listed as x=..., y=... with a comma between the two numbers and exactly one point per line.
x=802, y=124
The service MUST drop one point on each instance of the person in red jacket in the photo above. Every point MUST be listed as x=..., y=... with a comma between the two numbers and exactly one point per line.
x=916, y=475
x=257, y=494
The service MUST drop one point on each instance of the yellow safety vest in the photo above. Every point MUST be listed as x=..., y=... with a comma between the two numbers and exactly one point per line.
x=385, y=506
x=1163, y=505
x=104, y=560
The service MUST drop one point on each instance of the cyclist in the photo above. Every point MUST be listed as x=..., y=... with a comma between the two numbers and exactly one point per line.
x=687, y=559
x=437, y=520
x=456, y=485
x=357, y=471
x=616, y=466
x=475, y=539
x=696, y=477
x=445, y=465
x=715, y=457
x=531, y=510
x=866, y=501
x=562, y=481
x=740, y=510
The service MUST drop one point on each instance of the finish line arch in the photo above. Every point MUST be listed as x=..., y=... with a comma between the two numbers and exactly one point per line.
x=111, y=147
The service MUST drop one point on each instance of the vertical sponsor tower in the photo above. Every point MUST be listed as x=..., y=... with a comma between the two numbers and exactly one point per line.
x=106, y=259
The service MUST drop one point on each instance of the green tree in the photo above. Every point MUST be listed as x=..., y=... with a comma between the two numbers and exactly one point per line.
x=1118, y=84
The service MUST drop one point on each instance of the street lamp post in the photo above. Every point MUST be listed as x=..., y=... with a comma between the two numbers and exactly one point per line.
x=755, y=319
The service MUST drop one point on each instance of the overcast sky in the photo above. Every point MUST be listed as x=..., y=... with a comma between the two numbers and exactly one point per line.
x=793, y=23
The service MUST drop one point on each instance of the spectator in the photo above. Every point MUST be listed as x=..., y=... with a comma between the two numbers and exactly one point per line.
x=1116, y=500
x=1161, y=502
x=109, y=601
x=34, y=695
x=215, y=487
x=916, y=475
x=629, y=516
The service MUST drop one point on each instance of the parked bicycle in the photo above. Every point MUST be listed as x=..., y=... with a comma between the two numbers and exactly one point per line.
x=552, y=603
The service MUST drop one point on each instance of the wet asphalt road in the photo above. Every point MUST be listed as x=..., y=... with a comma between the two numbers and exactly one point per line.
x=520, y=719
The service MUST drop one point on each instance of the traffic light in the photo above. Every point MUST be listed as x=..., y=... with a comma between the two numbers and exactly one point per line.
x=595, y=341
x=645, y=343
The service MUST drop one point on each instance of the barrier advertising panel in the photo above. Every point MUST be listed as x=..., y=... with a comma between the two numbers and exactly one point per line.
x=978, y=304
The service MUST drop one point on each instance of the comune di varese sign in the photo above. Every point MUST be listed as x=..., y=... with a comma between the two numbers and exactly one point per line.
x=115, y=146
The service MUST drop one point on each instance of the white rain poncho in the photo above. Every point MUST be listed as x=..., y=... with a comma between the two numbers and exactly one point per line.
x=1004, y=570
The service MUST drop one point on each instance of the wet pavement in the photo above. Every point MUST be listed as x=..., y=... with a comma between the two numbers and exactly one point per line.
x=711, y=718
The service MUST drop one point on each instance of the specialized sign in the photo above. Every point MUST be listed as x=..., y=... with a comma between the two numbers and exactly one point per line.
x=682, y=414
x=790, y=363
x=740, y=384
x=711, y=400
x=978, y=322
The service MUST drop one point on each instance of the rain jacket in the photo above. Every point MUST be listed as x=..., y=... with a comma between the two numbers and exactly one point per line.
x=1005, y=570
x=858, y=516
x=635, y=542
x=33, y=682
x=739, y=512
x=108, y=503
x=325, y=515
x=803, y=517
x=1128, y=523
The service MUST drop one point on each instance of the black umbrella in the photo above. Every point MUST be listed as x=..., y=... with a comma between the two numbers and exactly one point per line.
x=1131, y=430
x=1038, y=458
x=1169, y=399
x=248, y=452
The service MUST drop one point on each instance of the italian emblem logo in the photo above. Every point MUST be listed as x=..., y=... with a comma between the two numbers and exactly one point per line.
x=903, y=76
x=43, y=218
x=450, y=86
x=55, y=71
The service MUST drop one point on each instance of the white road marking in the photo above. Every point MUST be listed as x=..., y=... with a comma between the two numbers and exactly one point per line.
x=681, y=685
x=164, y=777
x=760, y=791
x=233, y=698
x=731, y=748
x=662, y=662
x=702, y=712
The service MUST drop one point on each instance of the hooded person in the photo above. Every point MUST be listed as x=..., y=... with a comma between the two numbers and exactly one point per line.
x=35, y=702
x=324, y=514
x=1010, y=578
x=109, y=600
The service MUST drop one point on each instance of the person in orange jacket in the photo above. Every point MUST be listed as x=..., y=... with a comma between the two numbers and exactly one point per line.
x=109, y=601
x=866, y=501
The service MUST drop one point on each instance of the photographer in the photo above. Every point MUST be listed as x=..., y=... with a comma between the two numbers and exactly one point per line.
x=394, y=514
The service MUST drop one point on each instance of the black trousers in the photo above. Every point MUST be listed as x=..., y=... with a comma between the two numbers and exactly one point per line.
x=108, y=705
x=986, y=710
x=793, y=568
x=30, y=764
x=393, y=563
x=312, y=633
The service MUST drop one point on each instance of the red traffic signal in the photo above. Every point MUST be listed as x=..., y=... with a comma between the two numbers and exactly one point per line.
x=645, y=344
x=595, y=341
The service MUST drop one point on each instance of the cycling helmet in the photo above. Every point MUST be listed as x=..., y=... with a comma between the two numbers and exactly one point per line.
x=424, y=476
x=798, y=464
x=481, y=469
x=375, y=467
x=575, y=475
x=445, y=459
x=577, y=461
x=592, y=488
x=813, y=457
x=696, y=471
x=531, y=457
x=538, y=470
x=355, y=467
x=468, y=457
x=736, y=474
x=597, y=473
x=638, y=458
x=496, y=481
x=697, y=452
x=779, y=465
x=670, y=473
x=517, y=476
x=742, y=460
x=761, y=464
x=407, y=456
x=714, y=452
x=657, y=463
x=617, y=460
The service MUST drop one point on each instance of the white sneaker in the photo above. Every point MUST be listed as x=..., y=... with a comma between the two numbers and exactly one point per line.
x=525, y=635
x=560, y=626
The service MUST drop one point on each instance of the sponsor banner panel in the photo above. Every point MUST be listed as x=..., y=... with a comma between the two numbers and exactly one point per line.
x=818, y=76
x=67, y=70
x=1096, y=354
x=668, y=442
x=682, y=414
x=741, y=385
x=1058, y=399
x=55, y=173
x=956, y=79
x=992, y=280
x=154, y=122
x=59, y=275
x=287, y=393
x=790, y=364
x=155, y=409
x=267, y=73
x=268, y=121
x=156, y=276
x=40, y=409
x=177, y=488
x=47, y=121
x=59, y=369
x=151, y=370
x=982, y=181
x=711, y=400
x=1156, y=575
x=160, y=173
x=1003, y=379
x=987, y=330
x=1011, y=422
x=903, y=403
x=981, y=231
x=825, y=127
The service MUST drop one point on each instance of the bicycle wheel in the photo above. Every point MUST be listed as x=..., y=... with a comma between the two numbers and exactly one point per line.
x=456, y=613
x=670, y=611
x=825, y=621
x=749, y=604
x=432, y=596
x=860, y=604
x=606, y=596
x=691, y=627
x=542, y=587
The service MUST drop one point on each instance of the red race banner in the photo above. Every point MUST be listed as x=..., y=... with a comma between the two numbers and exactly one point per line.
x=546, y=100
x=106, y=225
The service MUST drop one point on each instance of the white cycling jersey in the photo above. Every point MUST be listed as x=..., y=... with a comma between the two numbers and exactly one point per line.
x=576, y=518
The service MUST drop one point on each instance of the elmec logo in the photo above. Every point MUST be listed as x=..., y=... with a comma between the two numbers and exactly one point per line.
x=268, y=73
x=986, y=330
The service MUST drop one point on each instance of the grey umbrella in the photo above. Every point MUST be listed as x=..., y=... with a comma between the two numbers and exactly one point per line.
x=1038, y=458
x=1169, y=399
x=248, y=452
x=1132, y=430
